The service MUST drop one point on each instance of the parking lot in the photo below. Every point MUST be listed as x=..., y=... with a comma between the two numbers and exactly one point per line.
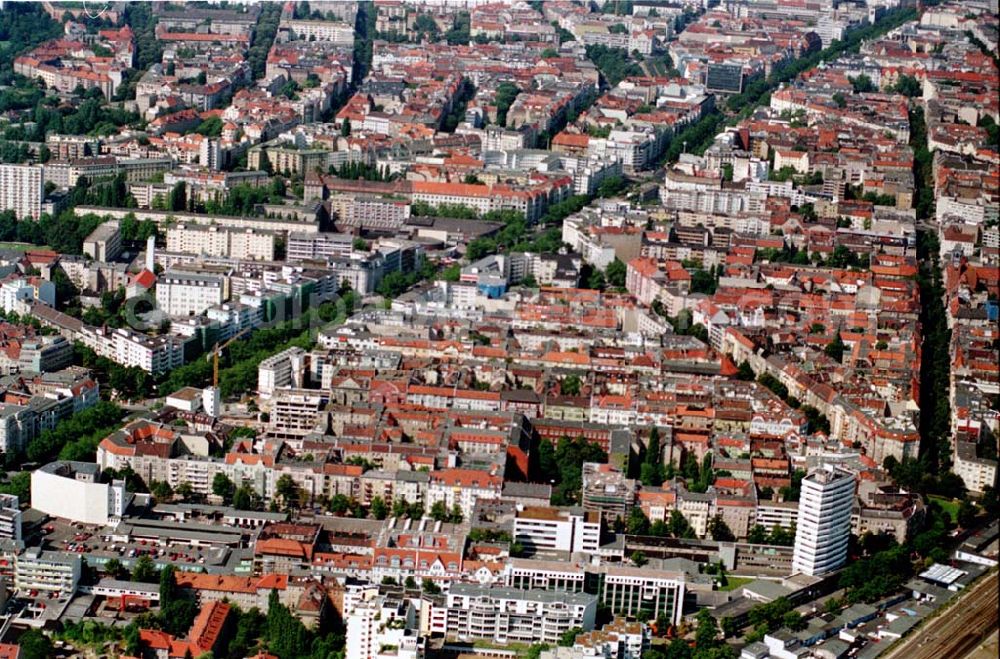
x=98, y=545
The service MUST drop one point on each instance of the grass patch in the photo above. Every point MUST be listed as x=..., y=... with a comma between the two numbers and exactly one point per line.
x=947, y=505
x=23, y=247
x=732, y=583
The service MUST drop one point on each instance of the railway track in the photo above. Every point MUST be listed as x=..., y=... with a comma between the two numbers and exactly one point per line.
x=959, y=629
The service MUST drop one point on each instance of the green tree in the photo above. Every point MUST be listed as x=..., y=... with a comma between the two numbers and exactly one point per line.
x=223, y=487
x=144, y=570
x=288, y=490
x=862, y=84
x=505, y=94
x=285, y=635
x=651, y=471
x=536, y=650
x=114, y=568
x=706, y=634
x=967, y=513
x=610, y=186
x=340, y=504
x=19, y=486
x=185, y=491
x=781, y=536
x=34, y=644
x=835, y=349
x=637, y=522
x=400, y=508
x=615, y=64
x=679, y=526
x=793, y=620
x=211, y=127
x=757, y=535
x=568, y=637
x=595, y=280
x=566, y=463
x=177, y=199
x=244, y=498
x=426, y=27
x=907, y=86
x=378, y=508
x=439, y=511
x=168, y=586
x=990, y=501
x=719, y=530
x=570, y=385
x=615, y=273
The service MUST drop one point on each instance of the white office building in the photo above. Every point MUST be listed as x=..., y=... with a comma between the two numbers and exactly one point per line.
x=557, y=529
x=824, y=523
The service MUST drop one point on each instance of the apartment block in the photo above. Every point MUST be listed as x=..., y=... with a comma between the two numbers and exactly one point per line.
x=507, y=615
x=248, y=244
x=308, y=246
x=44, y=354
x=104, y=243
x=184, y=293
x=10, y=518
x=37, y=569
x=22, y=190
x=285, y=369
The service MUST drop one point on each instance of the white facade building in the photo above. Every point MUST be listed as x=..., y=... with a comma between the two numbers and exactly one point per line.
x=22, y=190
x=559, y=530
x=285, y=369
x=47, y=570
x=10, y=517
x=824, y=523
x=246, y=244
x=73, y=490
x=339, y=34
x=153, y=354
x=190, y=293
x=383, y=627
x=17, y=427
x=507, y=615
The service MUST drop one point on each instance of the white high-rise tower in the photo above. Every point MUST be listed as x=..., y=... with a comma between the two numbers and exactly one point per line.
x=824, y=524
x=151, y=253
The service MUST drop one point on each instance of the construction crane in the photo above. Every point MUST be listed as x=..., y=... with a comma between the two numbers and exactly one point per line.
x=214, y=355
